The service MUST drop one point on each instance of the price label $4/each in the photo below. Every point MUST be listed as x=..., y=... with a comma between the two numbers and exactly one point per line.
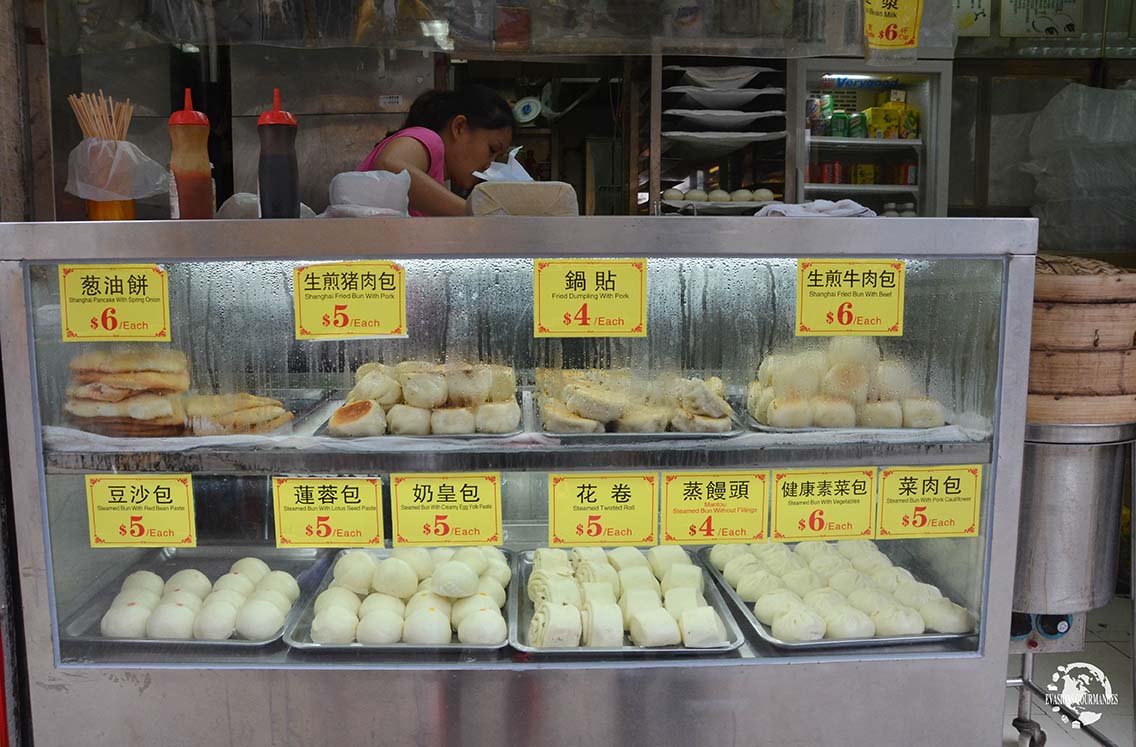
x=709, y=508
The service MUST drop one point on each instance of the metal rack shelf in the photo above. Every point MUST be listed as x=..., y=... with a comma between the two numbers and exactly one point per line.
x=748, y=450
x=862, y=143
x=865, y=189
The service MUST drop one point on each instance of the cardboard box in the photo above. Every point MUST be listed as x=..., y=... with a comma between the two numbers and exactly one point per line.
x=882, y=123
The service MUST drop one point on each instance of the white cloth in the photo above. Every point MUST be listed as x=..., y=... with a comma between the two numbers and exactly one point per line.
x=817, y=209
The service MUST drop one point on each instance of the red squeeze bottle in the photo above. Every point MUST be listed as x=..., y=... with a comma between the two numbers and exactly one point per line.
x=189, y=160
x=278, y=175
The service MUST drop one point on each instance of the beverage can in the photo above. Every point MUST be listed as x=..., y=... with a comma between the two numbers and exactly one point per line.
x=839, y=125
x=826, y=105
x=828, y=172
x=857, y=125
x=818, y=126
x=812, y=107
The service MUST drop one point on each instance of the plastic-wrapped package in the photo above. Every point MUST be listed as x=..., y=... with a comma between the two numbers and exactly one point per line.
x=1081, y=149
x=246, y=205
x=1090, y=170
x=1080, y=115
x=110, y=170
x=366, y=194
x=523, y=198
x=1087, y=223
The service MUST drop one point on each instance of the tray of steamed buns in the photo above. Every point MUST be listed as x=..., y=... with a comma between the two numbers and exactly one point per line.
x=827, y=595
x=591, y=601
x=420, y=398
x=408, y=599
x=845, y=384
x=200, y=597
x=593, y=405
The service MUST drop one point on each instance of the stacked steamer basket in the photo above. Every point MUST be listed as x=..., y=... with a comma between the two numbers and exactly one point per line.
x=1083, y=360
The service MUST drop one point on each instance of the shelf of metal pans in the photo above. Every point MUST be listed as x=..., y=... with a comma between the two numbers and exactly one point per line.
x=865, y=189
x=863, y=143
x=531, y=451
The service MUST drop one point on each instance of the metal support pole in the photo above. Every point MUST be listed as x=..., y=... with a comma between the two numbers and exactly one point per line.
x=1025, y=705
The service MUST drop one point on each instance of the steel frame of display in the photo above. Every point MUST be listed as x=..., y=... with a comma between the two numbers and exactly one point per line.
x=927, y=697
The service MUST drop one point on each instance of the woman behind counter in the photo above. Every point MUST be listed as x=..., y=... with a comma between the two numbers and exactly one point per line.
x=446, y=135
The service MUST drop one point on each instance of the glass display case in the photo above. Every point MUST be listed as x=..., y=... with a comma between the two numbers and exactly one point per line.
x=498, y=526
x=877, y=136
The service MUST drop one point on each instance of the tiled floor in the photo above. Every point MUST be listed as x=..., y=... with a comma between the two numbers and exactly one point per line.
x=1108, y=642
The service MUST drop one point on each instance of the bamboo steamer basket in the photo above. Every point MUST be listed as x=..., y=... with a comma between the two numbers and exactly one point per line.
x=1104, y=372
x=1083, y=362
x=1080, y=280
x=1084, y=326
x=1071, y=409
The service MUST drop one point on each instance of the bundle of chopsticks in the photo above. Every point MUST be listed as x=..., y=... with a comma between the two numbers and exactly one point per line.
x=100, y=117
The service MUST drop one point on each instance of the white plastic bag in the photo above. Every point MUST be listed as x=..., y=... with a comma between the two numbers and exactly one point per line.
x=108, y=170
x=512, y=171
x=362, y=194
x=246, y=206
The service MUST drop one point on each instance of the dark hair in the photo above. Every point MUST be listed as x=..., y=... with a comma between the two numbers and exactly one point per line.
x=481, y=105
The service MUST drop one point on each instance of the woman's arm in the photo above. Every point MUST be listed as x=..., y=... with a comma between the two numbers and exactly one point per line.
x=426, y=195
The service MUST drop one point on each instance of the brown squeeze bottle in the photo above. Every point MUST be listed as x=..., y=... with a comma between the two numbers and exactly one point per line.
x=278, y=175
x=189, y=160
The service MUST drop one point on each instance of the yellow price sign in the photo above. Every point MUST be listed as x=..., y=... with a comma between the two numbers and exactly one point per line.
x=850, y=297
x=460, y=509
x=140, y=510
x=823, y=504
x=114, y=302
x=930, y=501
x=348, y=300
x=892, y=24
x=328, y=511
x=590, y=298
x=713, y=508
x=603, y=508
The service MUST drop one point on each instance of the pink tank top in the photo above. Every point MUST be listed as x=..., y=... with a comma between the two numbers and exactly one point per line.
x=434, y=147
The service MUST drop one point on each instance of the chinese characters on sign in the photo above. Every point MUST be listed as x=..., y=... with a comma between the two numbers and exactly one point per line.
x=140, y=511
x=930, y=501
x=1036, y=18
x=114, y=302
x=605, y=508
x=446, y=509
x=590, y=298
x=823, y=504
x=328, y=511
x=892, y=24
x=850, y=297
x=343, y=300
x=709, y=508
x=972, y=17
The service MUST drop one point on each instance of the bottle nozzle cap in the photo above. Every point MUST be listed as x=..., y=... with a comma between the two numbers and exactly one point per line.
x=276, y=116
x=188, y=116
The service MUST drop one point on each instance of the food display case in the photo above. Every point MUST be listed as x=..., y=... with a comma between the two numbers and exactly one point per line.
x=529, y=455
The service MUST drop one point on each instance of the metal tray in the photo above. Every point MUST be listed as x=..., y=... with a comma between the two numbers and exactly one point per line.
x=298, y=633
x=323, y=429
x=746, y=612
x=752, y=423
x=611, y=437
x=521, y=612
x=305, y=565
